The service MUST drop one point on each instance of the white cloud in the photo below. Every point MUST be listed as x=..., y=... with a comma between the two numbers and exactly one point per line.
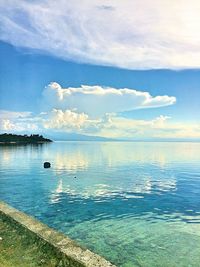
x=67, y=119
x=17, y=121
x=94, y=110
x=7, y=125
x=98, y=111
x=114, y=126
x=97, y=101
x=5, y=114
x=160, y=127
x=109, y=125
x=131, y=34
x=10, y=126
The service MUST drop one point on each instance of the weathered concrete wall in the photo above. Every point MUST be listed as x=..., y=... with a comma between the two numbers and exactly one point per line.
x=68, y=252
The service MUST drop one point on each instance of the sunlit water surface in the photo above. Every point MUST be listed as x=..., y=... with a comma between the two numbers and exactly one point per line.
x=136, y=204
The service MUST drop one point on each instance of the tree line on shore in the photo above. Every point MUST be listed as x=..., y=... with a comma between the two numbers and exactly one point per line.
x=33, y=138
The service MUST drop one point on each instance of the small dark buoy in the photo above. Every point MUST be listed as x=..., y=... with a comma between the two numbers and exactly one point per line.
x=47, y=165
x=74, y=176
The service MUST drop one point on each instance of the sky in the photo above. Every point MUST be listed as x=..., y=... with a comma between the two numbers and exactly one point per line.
x=117, y=69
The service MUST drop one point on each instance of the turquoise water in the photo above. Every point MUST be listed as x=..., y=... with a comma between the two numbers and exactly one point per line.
x=136, y=204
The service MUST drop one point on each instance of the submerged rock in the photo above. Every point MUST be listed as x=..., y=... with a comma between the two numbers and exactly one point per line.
x=47, y=165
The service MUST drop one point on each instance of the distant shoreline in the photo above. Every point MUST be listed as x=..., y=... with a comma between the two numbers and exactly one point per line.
x=23, y=143
x=14, y=139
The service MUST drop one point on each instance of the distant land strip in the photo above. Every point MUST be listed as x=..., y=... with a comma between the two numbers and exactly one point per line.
x=23, y=139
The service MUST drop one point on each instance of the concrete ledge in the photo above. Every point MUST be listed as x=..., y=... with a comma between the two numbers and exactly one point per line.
x=68, y=252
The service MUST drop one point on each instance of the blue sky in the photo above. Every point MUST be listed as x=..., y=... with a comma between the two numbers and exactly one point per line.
x=54, y=85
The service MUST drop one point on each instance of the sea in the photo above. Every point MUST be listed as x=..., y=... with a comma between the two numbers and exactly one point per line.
x=134, y=203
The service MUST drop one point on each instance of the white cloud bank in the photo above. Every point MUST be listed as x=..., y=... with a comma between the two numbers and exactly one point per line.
x=96, y=101
x=10, y=125
x=98, y=111
x=67, y=119
x=109, y=126
x=131, y=34
x=5, y=114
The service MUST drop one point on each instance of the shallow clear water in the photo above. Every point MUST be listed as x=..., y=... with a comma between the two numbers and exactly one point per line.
x=136, y=204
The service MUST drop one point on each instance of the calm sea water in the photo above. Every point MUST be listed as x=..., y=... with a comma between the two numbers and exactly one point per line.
x=136, y=204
